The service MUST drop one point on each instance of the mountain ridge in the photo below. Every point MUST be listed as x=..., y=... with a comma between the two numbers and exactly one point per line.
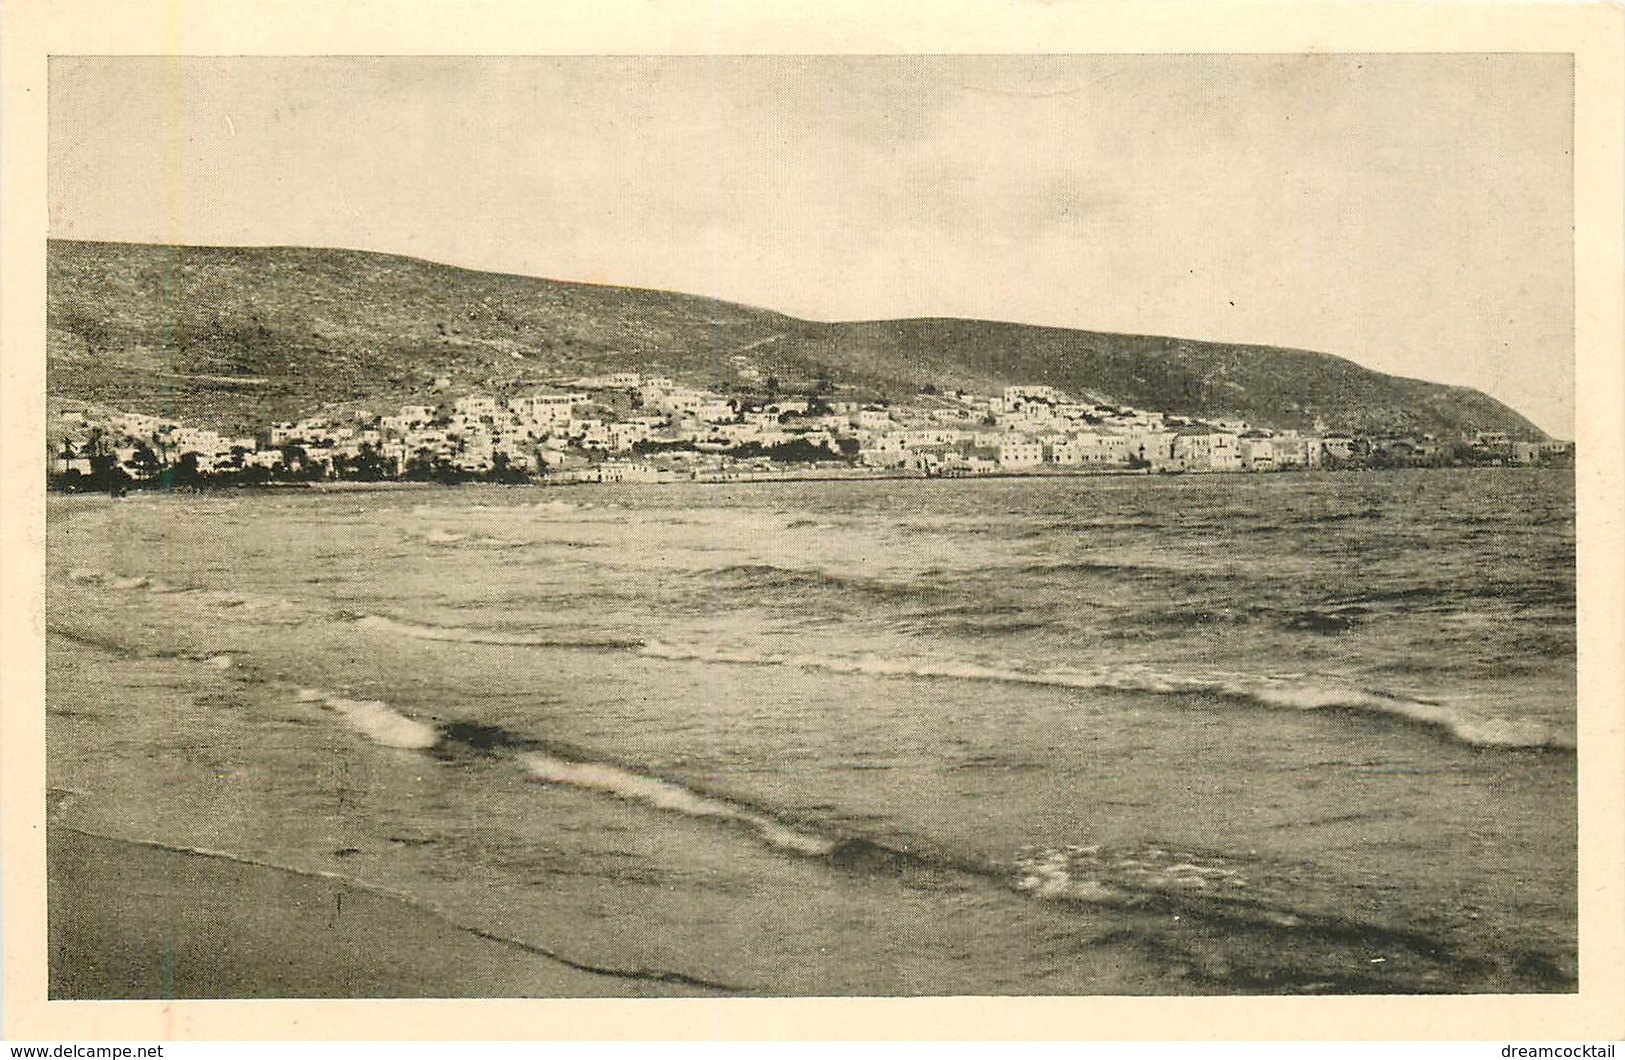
x=237, y=336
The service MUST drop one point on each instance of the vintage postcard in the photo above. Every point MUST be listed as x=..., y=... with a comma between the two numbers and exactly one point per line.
x=643, y=524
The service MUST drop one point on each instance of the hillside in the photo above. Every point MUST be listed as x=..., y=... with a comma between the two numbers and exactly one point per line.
x=1265, y=385
x=240, y=336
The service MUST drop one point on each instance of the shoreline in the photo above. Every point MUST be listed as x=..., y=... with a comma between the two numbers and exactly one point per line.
x=393, y=486
x=133, y=920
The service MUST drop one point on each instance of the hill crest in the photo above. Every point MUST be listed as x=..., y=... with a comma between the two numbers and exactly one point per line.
x=238, y=336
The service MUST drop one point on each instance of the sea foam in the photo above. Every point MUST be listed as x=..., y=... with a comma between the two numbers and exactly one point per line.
x=108, y=580
x=375, y=720
x=673, y=798
x=1097, y=876
x=1302, y=692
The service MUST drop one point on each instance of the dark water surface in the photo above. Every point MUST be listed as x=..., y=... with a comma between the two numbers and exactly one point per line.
x=1104, y=735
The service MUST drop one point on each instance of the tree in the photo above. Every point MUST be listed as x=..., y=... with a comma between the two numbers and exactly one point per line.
x=367, y=465
x=428, y=466
x=293, y=460
x=105, y=472
x=96, y=443
x=183, y=473
x=503, y=470
x=419, y=466
x=145, y=461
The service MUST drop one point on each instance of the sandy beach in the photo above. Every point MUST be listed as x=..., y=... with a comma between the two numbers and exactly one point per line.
x=130, y=920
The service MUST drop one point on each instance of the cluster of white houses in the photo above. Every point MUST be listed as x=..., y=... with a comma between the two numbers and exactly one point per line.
x=633, y=427
x=1030, y=427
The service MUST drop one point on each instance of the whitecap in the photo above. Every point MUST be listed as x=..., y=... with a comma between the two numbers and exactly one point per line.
x=1304, y=694
x=375, y=720
x=673, y=798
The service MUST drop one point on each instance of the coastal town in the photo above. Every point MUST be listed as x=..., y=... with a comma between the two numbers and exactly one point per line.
x=630, y=427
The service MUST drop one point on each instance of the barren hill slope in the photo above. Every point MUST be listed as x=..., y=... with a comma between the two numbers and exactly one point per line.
x=240, y=336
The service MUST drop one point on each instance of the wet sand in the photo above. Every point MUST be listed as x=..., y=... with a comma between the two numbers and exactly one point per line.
x=131, y=921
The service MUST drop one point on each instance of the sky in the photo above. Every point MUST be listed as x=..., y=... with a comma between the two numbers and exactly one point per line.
x=1413, y=213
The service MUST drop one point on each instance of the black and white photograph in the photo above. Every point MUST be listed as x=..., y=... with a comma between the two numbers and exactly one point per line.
x=569, y=526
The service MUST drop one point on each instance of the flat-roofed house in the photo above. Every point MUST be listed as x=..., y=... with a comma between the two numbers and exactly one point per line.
x=547, y=410
x=1020, y=453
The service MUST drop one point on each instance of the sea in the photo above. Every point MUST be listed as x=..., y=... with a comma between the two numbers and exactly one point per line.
x=1229, y=734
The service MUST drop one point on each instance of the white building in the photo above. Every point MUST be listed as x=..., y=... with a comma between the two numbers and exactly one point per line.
x=547, y=410
x=477, y=406
x=1020, y=453
x=1216, y=451
x=621, y=471
x=715, y=410
x=874, y=418
x=413, y=415
x=680, y=401
x=1017, y=396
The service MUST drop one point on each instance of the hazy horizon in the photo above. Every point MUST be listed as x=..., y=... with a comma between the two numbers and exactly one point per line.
x=1411, y=213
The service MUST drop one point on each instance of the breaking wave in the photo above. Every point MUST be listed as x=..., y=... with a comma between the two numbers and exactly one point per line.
x=673, y=798
x=554, y=507
x=1246, y=894
x=375, y=720
x=268, y=609
x=441, y=537
x=1125, y=877
x=1239, y=893
x=466, y=635
x=107, y=580
x=1277, y=692
x=1455, y=720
